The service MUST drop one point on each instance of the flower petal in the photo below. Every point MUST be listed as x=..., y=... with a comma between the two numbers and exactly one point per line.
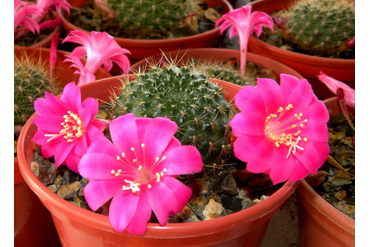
x=257, y=151
x=248, y=124
x=122, y=209
x=142, y=215
x=248, y=99
x=125, y=136
x=158, y=134
x=92, y=167
x=98, y=192
x=164, y=200
x=181, y=160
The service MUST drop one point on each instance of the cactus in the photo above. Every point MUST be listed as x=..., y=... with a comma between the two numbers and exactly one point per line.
x=151, y=14
x=31, y=80
x=320, y=26
x=187, y=97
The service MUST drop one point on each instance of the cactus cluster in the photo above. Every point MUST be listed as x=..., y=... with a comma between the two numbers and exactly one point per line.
x=31, y=79
x=151, y=14
x=189, y=98
x=319, y=26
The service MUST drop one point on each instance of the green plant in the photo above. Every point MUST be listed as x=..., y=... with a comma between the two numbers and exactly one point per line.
x=319, y=26
x=31, y=79
x=151, y=14
x=185, y=96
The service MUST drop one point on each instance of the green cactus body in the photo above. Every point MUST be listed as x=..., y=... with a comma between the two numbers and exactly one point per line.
x=151, y=14
x=31, y=80
x=320, y=26
x=197, y=105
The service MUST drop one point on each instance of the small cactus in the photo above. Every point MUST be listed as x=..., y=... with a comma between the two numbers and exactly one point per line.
x=31, y=80
x=189, y=98
x=319, y=26
x=151, y=14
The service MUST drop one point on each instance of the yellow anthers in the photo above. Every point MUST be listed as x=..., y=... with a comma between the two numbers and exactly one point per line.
x=305, y=139
x=133, y=149
x=277, y=144
x=142, y=145
x=116, y=173
x=140, y=167
x=156, y=159
x=118, y=158
x=281, y=109
x=123, y=155
x=161, y=174
x=293, y=126
x=305, y=120
x=134, y=160
x=73, y=128
x=149, y=186
x=301, y=125
x=301, y=114
x=290, y=106
x=298, y=132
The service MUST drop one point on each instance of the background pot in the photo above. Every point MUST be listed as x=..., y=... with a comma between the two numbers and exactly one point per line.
x=78, y=226
x=321, y=224
x=64, y=73
x=141, y=48
x=33, y=224
x=217, y=54
x=309, y=66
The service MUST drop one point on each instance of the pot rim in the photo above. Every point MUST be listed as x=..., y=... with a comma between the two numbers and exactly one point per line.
x=251, y=57
x=300, y=57
x=178, y=230
x=327, y=210
x=151, y=42
x=296, y=56
x=313, y=198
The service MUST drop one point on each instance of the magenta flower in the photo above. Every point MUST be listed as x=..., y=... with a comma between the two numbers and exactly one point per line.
x=22, y=16
x=243, y=23
x=99, y=49
x=32, y=20
x=334, y=85
x=281, y=130
x=138, y=171
x=65, y=126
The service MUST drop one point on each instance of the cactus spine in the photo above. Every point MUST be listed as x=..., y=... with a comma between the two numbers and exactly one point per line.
x=320, y=26
x=151, y=14
x=31, y=80
x=187, y=97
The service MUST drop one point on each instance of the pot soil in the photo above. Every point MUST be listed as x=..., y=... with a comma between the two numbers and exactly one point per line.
x=327, y=200
x=307, y=65
x=141, y=48
x=222, y=64
x=77, y=225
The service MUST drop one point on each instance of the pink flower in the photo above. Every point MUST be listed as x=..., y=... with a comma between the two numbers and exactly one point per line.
x=31, y=19
x=45, y=5
x=243, y=23
x=22, y=16
x=281, y=130
x=65, y=126
x=100, y=49
x=138, y=170
x=334, y=85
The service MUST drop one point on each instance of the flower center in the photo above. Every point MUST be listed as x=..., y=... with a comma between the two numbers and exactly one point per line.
x=139, y=174
x=73, y=128
x=283, y=130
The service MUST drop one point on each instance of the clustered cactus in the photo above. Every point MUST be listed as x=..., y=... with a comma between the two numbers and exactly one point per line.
x=31, y=80
x=187, y=97
x=151, y=14
x=319, y=26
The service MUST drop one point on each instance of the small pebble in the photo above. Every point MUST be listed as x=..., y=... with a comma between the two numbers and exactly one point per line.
x=212, y=210
x=35, y=168
x=69, y=191
x=340, y=195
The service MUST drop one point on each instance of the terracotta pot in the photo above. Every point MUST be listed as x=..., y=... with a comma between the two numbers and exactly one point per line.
x=222, y=54
x=78, y=226
x=31, y=218
x=33, y=224
x=321, y=224
x=141, y=48
x=62, y=70
x=309, y=66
